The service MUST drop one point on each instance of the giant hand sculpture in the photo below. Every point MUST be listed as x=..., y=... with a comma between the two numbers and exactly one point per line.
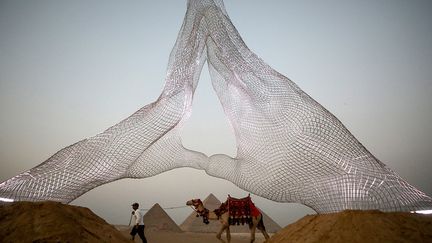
x=290, y=148
x=145, y=144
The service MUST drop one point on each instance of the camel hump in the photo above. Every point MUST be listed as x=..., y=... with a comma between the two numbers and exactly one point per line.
x=241, y=210
x=247, y=198
x=239, y=202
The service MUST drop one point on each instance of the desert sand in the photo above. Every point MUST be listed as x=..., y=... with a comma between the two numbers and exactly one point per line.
x=358, y=226
x=56, y=222
x=188, y=237
x=53, y=222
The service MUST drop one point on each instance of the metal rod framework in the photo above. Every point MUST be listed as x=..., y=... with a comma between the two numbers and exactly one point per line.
x=290, y=148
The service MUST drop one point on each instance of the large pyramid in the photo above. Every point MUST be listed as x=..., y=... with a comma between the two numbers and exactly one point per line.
x=158, y=220
x=195, y=224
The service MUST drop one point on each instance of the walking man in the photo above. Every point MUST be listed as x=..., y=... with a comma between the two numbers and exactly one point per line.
x=138, y=223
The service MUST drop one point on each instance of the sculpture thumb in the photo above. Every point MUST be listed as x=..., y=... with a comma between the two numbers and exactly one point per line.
x=224, y=167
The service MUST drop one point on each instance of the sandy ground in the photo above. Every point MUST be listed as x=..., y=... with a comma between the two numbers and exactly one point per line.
x=189, y=237
x=53, y=222
x=56, y=222
x=353, y=226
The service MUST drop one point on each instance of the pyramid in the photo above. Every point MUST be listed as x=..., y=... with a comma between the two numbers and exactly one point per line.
x=156, y=219
x=195, y=224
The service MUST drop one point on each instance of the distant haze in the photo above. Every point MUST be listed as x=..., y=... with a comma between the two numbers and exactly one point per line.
x=71, y=69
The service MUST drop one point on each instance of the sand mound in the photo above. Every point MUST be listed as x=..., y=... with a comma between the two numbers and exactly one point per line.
x=53, y=222
x=358, y=226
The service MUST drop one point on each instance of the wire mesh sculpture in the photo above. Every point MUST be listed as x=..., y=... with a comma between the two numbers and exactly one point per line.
x=289, y=147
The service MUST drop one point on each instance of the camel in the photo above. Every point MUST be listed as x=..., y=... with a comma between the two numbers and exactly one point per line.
x=254, y=219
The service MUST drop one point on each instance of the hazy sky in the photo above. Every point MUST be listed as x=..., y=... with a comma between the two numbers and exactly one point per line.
x=71, y=69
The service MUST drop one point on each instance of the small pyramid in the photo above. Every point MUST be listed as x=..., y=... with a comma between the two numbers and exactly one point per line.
x=195, y=224
x=158, y=220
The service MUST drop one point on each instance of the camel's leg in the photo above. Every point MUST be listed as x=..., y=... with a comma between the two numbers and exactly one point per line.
x=264, y=232
x=228, y=234
x=219, y=234
x=252, y=229
x=261, y=227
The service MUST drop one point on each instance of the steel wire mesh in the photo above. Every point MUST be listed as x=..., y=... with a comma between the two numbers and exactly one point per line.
x=289, y=147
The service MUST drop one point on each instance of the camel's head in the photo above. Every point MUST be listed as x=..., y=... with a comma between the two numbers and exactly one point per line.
x=194, y=202
x=199, y=208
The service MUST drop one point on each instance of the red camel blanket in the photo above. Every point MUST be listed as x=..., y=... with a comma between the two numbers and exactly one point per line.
x=241, y=210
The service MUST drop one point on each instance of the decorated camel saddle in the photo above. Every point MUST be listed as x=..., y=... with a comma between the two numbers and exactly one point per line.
x=241, y=210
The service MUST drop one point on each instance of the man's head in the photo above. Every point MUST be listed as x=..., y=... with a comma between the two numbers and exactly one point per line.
x=135, y=206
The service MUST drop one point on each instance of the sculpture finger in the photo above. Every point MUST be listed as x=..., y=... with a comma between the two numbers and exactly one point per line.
x=289, y=147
